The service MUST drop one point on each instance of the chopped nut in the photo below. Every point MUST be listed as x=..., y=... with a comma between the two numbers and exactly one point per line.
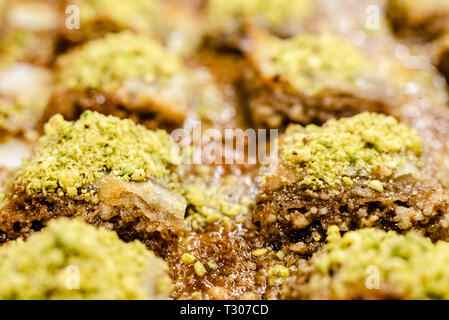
x=280, y=254
x=277, y=275
x=376, y=185
x=199, y=269
x=212, y=265
x=259, y=252
x=187, y=258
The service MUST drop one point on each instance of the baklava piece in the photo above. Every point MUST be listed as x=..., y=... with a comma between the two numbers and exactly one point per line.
x=374, y=264
x=24, y=94
x=125, y=75
x=106, y=171
x=359, y=172
x=100, y=17
x=308, y=79
x=426, y=20
x=226, y=19
x=179, y=28
x=29, y=32
x=73, y=260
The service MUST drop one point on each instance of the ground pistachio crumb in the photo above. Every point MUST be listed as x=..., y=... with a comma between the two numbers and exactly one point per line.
x=187, y=258
x=19, y=112
x=311, y=62
x=21, y=108
x=376, y=185
x=212, y=265
x=199, y=269
x=197, y=295
x=342, y=148
x=401, y=261
x=108, y=63
x=108, y=268
x=259, y=252
x=17, y=44
x=72, y=156
x=277, y=275
x=347, y=181
x=280, y=254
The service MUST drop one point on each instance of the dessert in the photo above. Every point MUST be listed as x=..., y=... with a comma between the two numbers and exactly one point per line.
x=359, y=172
x=104, y=170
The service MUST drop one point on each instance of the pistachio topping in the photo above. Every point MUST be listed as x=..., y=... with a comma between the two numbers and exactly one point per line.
x=27, y=32
x=72, y=156
x=17, y=112
x=280, y=254
x=312, y=62
x=259, y=252
x=376, y=185
x=402, y=263
x=277, y=275
x=223, y=14
x=24, y=94
x=187, y=258
x=136, y=15
x=199, y=269
x=212, y=265
x=14, y=46
x=108, y=268
x=340, y=149
x=108, y=63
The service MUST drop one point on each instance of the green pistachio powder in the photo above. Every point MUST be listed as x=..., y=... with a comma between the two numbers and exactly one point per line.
x=14, y=46
x=411, y=265
x=72, y=156
x=341, y=149
x=312, y=62
x=107, y=63
x=134, y=14
x=21, y=110
x=108, y=267
x=269, y=13
x=16, y=42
